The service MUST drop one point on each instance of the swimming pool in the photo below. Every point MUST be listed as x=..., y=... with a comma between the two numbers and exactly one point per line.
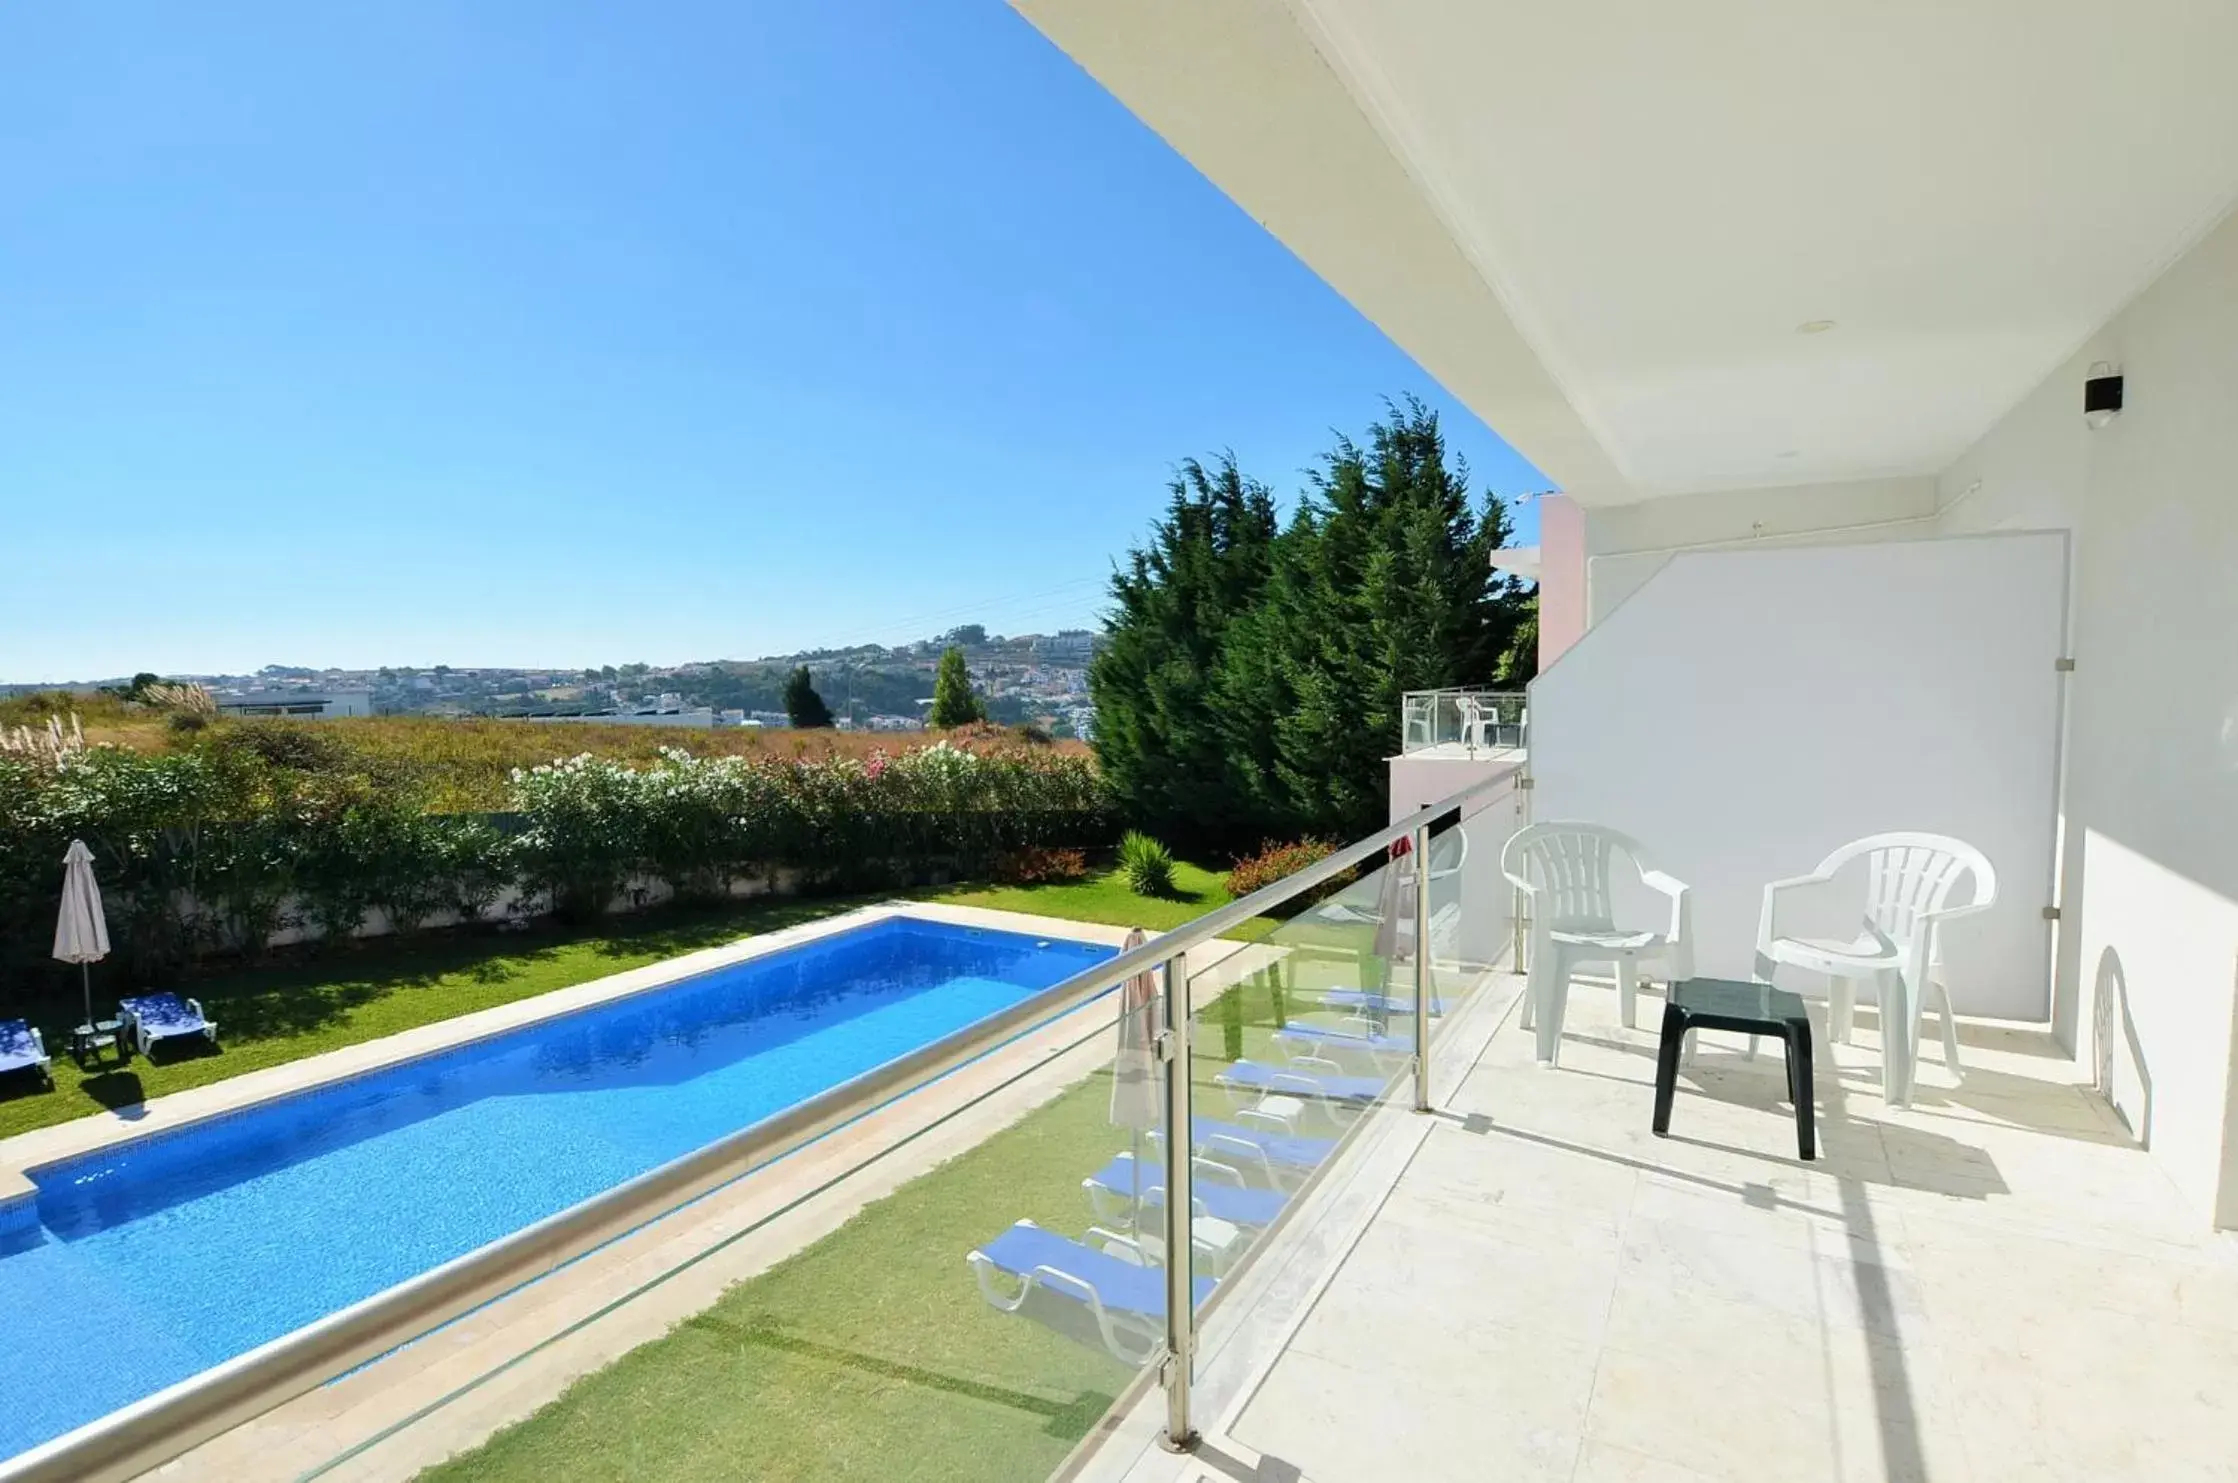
x=155, y=1259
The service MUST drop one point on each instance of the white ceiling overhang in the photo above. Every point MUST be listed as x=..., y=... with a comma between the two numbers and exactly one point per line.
x=1672, y=248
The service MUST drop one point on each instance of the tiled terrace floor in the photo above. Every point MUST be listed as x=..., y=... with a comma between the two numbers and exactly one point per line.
x=1995, y=1285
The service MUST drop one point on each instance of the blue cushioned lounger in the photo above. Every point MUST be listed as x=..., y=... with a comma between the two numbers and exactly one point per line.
x=1216, y=1198
x=23, y=1049
x=1127, y=1301
x=1312, y=1038
x=1250, y=1076
x=153, y=1017
x=1278, y=1148
x=1365, y=1000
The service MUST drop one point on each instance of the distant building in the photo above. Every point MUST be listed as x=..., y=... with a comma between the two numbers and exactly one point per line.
x=893, y=723
x=1074, y=645
x=315, y=705
x=665, y=710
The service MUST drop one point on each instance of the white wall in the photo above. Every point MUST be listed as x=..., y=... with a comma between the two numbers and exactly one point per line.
x=1747, y=711
x=1628, y=544
x=2148, y=966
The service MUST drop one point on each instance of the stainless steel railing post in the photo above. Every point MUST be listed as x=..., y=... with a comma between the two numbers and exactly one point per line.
x=1180, y=1148
x=1422, y=968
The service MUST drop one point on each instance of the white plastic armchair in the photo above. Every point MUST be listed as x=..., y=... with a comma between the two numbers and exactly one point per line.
x=1477, y=720
x=1563, y=871
x=1909, y=881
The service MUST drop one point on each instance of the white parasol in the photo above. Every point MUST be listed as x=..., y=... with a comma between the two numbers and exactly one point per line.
x=81, y=933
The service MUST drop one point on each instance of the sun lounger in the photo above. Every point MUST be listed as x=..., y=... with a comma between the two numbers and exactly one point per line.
x=1251, y=1076
x=1126, y=1296
x=153, y=1017
x=1323, y=1040
x=1122, y=1181
x=1367, y=1001
x=23, y=1049
x=1282, y=1097
x=1267, y=1156
x=1232, y=1142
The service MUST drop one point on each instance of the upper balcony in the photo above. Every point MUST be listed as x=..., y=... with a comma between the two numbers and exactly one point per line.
x=1467, y=722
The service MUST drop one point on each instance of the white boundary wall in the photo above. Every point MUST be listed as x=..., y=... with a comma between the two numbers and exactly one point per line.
x=1747, y=711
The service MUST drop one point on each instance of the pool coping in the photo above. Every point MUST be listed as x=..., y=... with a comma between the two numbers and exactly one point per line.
x=60, y=1143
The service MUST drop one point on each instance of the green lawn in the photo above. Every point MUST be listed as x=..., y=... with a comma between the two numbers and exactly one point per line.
x=1104, y=897
x=317, y=1002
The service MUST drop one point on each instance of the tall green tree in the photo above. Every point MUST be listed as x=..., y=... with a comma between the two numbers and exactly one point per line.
x=1253, y=680
x=804, y=708
x=1160, y=739
x=954, y=704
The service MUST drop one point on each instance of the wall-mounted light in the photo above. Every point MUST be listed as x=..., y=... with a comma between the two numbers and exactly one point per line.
x=2101, y=394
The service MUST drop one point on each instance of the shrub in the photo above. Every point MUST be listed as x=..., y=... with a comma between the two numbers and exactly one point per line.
x=1033, y=865
x=297, y=746
x=1274, y=862
x=218, y=844
x=1148, y=864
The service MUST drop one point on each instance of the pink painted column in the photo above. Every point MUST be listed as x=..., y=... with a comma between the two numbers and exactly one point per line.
x=1561, y=576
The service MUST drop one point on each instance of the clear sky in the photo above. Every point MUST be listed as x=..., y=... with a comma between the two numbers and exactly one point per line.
x=529, y=332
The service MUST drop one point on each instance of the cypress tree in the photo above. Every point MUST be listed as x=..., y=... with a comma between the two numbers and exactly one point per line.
x=1160, y=734
x=1251, y=686
x=953, y=702
x=804, y=708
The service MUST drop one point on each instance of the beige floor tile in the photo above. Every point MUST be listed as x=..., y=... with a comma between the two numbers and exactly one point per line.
x=1519, y=1416
x=1436, y=1274
x=1602, y=1462
x=1846, y=1284
x=1720, y=1422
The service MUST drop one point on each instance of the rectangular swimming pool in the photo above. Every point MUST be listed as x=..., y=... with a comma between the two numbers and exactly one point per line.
x=155, y=1259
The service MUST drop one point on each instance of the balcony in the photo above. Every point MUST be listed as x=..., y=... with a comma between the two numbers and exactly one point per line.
x=1465, y=722
x=1525, y=1283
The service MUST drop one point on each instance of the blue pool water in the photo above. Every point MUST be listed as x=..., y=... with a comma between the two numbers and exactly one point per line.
x=154, y=1260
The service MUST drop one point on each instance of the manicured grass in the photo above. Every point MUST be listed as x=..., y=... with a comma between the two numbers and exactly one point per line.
x=1103, y=897
x=271, y=1014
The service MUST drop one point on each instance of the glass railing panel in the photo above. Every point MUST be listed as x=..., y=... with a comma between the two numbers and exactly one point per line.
x=946, y=1288
x=1303, y=1032
x=1474, y=925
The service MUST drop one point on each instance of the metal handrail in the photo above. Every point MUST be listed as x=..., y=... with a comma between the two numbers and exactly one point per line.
x=152, y=1431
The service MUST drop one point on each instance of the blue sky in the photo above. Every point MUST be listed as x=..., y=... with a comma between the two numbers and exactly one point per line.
x=524, y=332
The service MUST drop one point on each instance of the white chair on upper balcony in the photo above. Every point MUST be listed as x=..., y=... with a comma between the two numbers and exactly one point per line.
x=1478, y=718
x=1909, y=879
x=1563, y=871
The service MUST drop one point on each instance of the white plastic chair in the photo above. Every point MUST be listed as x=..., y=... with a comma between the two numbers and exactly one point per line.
x=1477, y=721
x=1909, y=879
x=1563, y=871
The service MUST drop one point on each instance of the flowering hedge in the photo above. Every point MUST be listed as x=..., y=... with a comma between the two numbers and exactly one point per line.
x=219, y=847
x=702, y=823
